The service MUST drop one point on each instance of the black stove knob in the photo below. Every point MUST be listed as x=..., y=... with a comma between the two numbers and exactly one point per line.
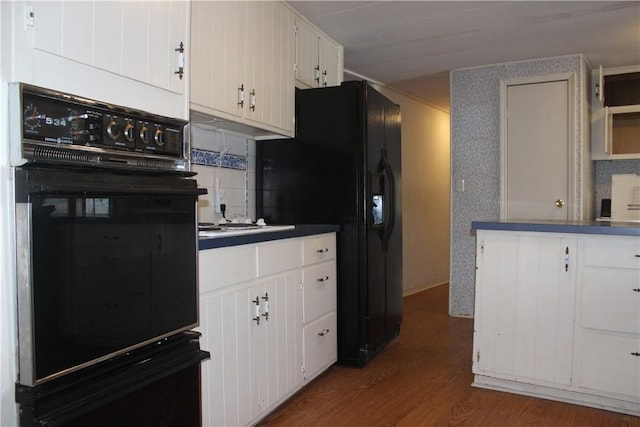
x=145, y=135
x=114, y=130
x=159, y=137
x=129, y=132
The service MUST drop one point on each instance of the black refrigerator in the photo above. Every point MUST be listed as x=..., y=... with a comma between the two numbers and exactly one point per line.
x=344, y=167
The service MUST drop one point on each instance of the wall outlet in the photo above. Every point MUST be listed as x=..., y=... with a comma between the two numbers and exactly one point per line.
x=218, y=199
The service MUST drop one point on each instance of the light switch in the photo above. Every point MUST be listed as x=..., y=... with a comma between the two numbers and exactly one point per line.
x=460, y=186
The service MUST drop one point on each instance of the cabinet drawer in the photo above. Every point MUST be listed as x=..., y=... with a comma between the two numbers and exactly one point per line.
x=278, y=257
x=226, y=266
x=319, y=290
x=608, y=365
x=609, y=301
x=319, y=249
x=320, y=345
x=611, y=251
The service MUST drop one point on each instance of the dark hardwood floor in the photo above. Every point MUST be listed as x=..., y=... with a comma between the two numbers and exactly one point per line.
x=423, y=379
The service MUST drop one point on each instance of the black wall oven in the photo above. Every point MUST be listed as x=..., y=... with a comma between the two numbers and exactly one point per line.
x=107, y=263
x=106, y=244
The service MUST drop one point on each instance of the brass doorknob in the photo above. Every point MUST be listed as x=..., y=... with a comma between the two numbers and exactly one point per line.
x=559, y=203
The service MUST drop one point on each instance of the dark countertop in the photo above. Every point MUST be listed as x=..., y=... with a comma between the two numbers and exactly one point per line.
x=244, y=239
x=582, y=227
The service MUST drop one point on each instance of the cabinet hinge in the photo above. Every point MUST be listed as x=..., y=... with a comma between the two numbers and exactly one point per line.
x=304, y=372
x=482, y=246
x=478, y=356
x=29, y=15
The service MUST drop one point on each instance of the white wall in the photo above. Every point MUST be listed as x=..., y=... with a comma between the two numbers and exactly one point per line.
x=8, y=408
x=425, y=193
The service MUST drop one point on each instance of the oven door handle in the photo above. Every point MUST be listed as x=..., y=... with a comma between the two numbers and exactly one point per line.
x=34, y=181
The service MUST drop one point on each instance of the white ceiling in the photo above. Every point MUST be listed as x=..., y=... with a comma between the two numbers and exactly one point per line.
x=412, y=45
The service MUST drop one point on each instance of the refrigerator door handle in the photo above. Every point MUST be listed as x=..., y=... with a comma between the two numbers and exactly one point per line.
x=391, y=198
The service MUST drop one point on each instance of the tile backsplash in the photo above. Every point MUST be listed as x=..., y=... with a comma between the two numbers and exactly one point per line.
x=225, y=161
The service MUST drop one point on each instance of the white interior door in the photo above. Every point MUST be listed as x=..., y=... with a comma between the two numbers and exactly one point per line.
x=535, y=150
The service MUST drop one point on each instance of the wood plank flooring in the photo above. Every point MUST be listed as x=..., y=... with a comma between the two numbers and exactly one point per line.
x=423, y=379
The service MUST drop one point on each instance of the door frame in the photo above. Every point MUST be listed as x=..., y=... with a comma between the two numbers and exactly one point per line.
x=570, y=77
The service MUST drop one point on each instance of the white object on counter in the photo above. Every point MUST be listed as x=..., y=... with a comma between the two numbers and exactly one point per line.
x=625, y=197
x=239, y=231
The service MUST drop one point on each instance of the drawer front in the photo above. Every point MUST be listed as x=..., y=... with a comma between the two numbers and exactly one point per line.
x=320, y=345
x=608, y=365
x=611, y=251
x=276, y=257
x=319, y=290
x=319, y=249
x=222, y=267
x=609, y=301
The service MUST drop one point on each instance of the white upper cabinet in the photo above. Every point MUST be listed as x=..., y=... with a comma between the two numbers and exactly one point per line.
x=242, y=64
x=126, y=53
x=331, y=61
x=319, y=60
x=615, y=133
x=615, y=118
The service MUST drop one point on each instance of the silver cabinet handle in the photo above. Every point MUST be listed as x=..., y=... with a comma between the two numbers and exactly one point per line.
x=241, y=96
x=323, y=332
x=323, y=279
x=252, y=100
x=180, y=50
x=323, y=250
x=266, y=306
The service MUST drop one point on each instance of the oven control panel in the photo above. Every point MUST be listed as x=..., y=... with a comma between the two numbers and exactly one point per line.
x=58, y=127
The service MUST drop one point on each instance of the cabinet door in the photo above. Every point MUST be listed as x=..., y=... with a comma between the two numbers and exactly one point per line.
x=272, y=69
x=208, y=37
x=330, y=62
x=270, y=80
x=128, y=46
x=219, y=60
x=260, y=38
x=320, y=345
x=307, y=55
x=608, y=364
x=615, y=133
x=276, y=342
x=227, y=384
x=525, y=293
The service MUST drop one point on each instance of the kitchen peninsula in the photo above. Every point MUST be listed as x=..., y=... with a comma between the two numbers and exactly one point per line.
x=268, y=314
x=557, y=311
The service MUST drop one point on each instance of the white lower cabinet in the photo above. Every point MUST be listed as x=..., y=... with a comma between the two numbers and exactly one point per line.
x=251, y=320
x=319, y=307
x=608, y=321
x=320, y=345
x=525, y=297
x=558, y=316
